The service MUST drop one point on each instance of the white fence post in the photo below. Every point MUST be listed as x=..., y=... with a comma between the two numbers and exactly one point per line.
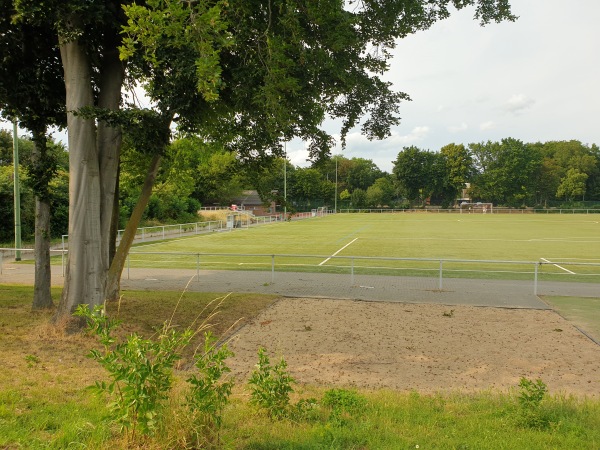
x=62, y=256
x=441, y=274
x=272, y=268
x=535, y=279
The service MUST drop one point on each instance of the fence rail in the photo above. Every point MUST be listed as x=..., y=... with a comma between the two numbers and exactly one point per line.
x=159, y=232
x=494, y=210
x=300, y=274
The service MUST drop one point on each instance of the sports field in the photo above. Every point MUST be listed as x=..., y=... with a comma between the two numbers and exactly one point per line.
x=398, y=244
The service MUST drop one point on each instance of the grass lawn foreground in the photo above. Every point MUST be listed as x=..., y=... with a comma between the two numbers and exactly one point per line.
x=44, y=402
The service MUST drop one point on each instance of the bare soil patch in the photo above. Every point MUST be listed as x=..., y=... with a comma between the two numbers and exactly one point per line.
x=428, y=348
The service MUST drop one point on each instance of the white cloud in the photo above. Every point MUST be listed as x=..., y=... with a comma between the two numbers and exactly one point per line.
x=489, y=125
x=518, y=103
x=458, y=128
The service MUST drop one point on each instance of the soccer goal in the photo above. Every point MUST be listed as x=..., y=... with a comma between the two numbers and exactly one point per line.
x=319, y=212
x=238, y=219
x=476, y=208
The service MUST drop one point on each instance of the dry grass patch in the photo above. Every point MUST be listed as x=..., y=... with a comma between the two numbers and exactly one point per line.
x=214, y=215
x=39, y=357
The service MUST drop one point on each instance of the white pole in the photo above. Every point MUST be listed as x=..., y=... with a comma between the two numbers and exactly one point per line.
x=285, y=180
x=336, y=186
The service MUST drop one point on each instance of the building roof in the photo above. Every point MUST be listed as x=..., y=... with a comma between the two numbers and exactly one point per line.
x=248, y=198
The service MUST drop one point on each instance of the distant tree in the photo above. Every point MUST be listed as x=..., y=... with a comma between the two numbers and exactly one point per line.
x=345, y=195
x=421, y=174
x=572, y=185
x=459, y=163
x=506, y=172
x=6, y=148
x=382, y=192
x=358, y=198
x=362, y=173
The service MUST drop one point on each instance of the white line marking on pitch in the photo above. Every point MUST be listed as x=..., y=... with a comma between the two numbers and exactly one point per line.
x=351, y=242
x=560, y=267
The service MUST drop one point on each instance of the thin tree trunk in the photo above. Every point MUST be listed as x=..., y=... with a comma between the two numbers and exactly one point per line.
x=85, y=277
x=42, y=298
x=118, y=262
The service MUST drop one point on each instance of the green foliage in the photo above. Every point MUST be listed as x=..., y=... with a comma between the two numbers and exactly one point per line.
x=7, y=206
x=32, y=360
x=270, y=386
x=54, y=186
x=572, y=185
x=306, y=410
x=344, y=404
x=209, y=393
x=140, y=370
x=358, y=198
x=531, y=395
x=422, y=174
x=506, y=172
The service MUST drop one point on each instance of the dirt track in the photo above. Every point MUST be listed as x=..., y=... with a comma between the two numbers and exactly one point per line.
x=423, y=347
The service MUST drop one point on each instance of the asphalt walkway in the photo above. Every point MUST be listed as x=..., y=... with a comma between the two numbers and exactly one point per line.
x=454, y=291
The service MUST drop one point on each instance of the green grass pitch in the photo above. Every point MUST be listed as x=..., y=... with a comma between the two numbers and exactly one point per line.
x=553, y=239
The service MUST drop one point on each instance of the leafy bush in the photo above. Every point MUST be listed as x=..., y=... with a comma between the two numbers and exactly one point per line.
x=140, y=370
x=271, y=386
x=531, y=395
x=209, y=394
x=344, y=404
x=306, y=410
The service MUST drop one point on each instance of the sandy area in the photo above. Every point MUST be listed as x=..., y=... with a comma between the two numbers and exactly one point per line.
x=427, y=348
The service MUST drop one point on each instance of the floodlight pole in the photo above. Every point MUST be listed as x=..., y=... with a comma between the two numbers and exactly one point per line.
x=285, y=181
x=17, y=190
x=335, y=199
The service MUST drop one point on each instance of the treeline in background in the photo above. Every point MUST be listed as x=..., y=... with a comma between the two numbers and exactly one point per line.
x=194, y=174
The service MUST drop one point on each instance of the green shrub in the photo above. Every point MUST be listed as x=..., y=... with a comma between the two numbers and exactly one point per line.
x=271, y=386
x=141, y=371
x=209, y=394
x=531, y=395
x=344, y=405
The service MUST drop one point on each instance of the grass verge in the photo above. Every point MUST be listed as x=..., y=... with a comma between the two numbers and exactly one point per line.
x=584, y=312
x=44, y=402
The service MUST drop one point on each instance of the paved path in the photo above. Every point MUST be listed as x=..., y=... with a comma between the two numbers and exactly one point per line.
x=498, y=293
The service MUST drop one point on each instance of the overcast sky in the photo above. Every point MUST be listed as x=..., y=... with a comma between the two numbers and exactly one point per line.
x=535, y=79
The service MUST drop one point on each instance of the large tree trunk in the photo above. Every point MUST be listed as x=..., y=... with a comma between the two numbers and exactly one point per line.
x=118, y=262
x=86, y=269
x=109, y=145
x=93, y=166
x=42, y=297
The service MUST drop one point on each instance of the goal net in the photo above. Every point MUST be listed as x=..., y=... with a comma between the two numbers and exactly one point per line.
x=238, y=219
x=476, y=208
x=319, y=212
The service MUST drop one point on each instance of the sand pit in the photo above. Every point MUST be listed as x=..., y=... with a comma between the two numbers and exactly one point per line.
x=428, y=348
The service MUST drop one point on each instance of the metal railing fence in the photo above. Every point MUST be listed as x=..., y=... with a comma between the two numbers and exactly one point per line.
x=336, y=273
x=495, y=210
